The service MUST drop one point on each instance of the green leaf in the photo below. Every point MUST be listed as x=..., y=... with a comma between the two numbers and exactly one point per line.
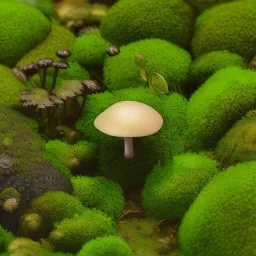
x=140, y=61
x=157, y=84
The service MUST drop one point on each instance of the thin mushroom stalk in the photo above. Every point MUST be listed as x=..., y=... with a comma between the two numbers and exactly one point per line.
x=128, y=148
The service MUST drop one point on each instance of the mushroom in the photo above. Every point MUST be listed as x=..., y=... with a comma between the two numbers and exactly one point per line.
x=129, y=119
x=30, y=69
x=63, y=54
x=57, y=65
x=44, y=64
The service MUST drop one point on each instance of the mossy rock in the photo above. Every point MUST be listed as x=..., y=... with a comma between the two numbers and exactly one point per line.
x=58, y=38
x=238, y=144
x=20, y=32
x=221, y=101
x=10, y=88
x=25, y=167
x=129, y=21
x=229, y=26
x=165, y=58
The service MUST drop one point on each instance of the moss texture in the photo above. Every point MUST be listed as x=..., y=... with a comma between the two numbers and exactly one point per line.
x=29, y=173
x=238, y=144
x=222, y=100
x=229, y=26
x=222, y=219
x=170, y=190
x=90, y=51
x=10, y=88
x=106, y=246
x=99, y=193
x=70, y=234
x=5, y=238
x=20, y=31
x=208, y=64
x=131, y=20
x=163, y=57
x=58, y=38
x=169, y=140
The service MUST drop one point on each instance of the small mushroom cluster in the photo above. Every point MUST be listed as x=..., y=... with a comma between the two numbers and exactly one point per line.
x=47, y=98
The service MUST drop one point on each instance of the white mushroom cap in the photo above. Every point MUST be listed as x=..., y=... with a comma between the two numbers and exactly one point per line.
x=129, y=119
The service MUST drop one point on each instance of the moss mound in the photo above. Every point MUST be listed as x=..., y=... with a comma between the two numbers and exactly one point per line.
x=10, y=88
x=99, y=193
x=229, y=26
x=169, y=140
x=238, y=144
x=5, y=238
x=169, y=60
x=58, y=38
x=208, y=64
x=20, y=32
x=170, y=190
x=70, y=234
x=27, y=171
x=89, y=50
x=222, y=220
x=129, y=21
x=223, y=99
x=106, y=246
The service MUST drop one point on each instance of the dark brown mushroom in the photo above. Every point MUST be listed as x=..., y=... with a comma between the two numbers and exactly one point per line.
x=112, y=50
x=30, y=69
x=20, y=74
x=63, y=53
x=44, y=64
x=57, y=65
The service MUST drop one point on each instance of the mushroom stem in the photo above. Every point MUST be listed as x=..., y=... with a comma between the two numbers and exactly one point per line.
x=43, y=77
x=82, y=105
x=128, y=148
x=55, y=74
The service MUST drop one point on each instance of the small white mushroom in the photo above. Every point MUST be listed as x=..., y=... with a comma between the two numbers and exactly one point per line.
x=129, y=119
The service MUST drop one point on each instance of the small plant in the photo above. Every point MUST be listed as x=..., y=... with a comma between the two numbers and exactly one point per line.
x=157, y=83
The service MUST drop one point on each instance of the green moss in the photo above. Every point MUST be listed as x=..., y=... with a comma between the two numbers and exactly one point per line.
x=19, y=32
x=129, y=21
x=89, y=50
x=169, y=60
x=201, y=5
x=9, y=193
x=70, y=234
x=83, y=151
x=99, y=193
x=169, y=140
x=106, y=246
x=238, y=144
x=58, y=38
x=10, y=88
x=208, y=64
x=170, y=190
x=229, y=26
x=5, y=238
x=223, y=99
x=222, y=219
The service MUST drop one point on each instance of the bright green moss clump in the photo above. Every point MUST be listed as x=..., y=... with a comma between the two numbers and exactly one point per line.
x=131, y=20
x=223, y=99
x=222, y=220
x=170, y=139
x=89, y=50
x=70, y=234
x=58, y=38
x=52, y=206
x=5, y=238
x=170, y=190
x=20, y=32
x=165, y=58
x=229, y=26
x=99, y=193
x=208, y=64
x=10, y=88
x=238, y=145
x=106, y=246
